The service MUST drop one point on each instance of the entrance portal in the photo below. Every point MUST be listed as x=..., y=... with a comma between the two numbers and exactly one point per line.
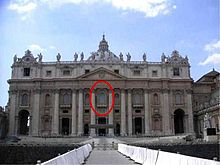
x=138, y=125
x=102, y=121
x=65, y=126
x=179, y=121
x=101, y=131
x=24, y=119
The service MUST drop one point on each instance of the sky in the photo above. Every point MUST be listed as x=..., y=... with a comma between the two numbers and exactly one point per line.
x=135, y=26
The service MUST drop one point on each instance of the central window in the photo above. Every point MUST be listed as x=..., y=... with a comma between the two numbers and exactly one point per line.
x=102, y=97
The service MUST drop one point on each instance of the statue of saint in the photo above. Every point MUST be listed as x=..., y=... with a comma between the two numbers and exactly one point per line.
x=144, y=57
x=121, y=56
x=163, y=57
x=40, y=57
x=82, y=56
x=207, y=121
x=75, y=57
x=15, y=58
x=128, y=57
x=58, y=57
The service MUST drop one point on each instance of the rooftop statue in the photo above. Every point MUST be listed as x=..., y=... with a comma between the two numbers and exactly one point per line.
x=75, y=57
x=15, y=58
x=121, y=56
x=58, y=57
x=40, y=57
x=128, y=57
x=82, y=56
x=144, y=57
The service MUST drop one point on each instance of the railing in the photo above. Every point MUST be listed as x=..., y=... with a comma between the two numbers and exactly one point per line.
x=157, y=157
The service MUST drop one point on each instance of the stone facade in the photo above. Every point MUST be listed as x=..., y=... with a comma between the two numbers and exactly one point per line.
x=206, y=100
x=52, y=98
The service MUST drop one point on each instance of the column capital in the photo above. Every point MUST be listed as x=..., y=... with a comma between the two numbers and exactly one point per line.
x=146, y=90
x=56, y=91
x=80, y=89
x=189, y=91
x=13, y=91
x=165, y=90
x=37, y=91
x=73, y=90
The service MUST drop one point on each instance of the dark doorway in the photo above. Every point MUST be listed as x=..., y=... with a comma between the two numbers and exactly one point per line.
x=101, y=120
x=179, y=121
x=24, y=122
x=102, y=131
x=86, y=129
x=117, y=129
x=65, y=126
x=138, y=125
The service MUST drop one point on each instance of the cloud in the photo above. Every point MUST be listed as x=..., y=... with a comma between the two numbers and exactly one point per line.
x=214, y=53
x=151, y=8
x=213, y=47
x=212, y=59
x=22, y=7
x=36, y=48
x=53, y=47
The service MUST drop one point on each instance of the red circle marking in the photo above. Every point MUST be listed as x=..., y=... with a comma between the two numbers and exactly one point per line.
x=113, y=97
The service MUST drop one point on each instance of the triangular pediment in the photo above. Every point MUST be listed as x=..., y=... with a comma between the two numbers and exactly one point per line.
x=102, y=74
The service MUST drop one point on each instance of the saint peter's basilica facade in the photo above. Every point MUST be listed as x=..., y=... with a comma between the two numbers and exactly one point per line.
x=53, y=98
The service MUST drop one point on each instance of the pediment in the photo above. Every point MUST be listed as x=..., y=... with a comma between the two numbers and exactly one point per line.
x=102, y=74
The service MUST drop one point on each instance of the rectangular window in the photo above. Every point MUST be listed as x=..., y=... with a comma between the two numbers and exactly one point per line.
x=66, y=72
x=86, y=110
x=137, y=72
x=176, y=71
x=26, y=71
x=116, y=110
x=65, y=111
x=87, y=71
x=138, y=111
x=154, y=73
x=116, y=71
x=48, y=73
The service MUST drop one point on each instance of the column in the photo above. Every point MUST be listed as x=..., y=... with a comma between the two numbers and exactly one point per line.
x=55, y=126
x=110, y=116
x=165, y=112
x=12, y=109
x=123, y=116
x=129, y=113
x=190, y=111
x=146, y=113
x=80, y=113
x=73, y=132
x=35, y=114
x=92, y=117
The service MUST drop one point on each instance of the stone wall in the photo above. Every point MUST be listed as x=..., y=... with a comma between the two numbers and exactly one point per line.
x=29, y=154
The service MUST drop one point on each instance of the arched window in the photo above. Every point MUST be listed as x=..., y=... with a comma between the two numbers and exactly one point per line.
x=178, y=98
x=66, y=99
x=101, y=98
x=24, y=100
x=117, y=101
x=155, y=99
x=87, y=99
x=47, y=100
x=137, y=98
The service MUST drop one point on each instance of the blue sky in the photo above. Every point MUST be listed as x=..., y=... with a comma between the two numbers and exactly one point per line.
x=134, y=26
